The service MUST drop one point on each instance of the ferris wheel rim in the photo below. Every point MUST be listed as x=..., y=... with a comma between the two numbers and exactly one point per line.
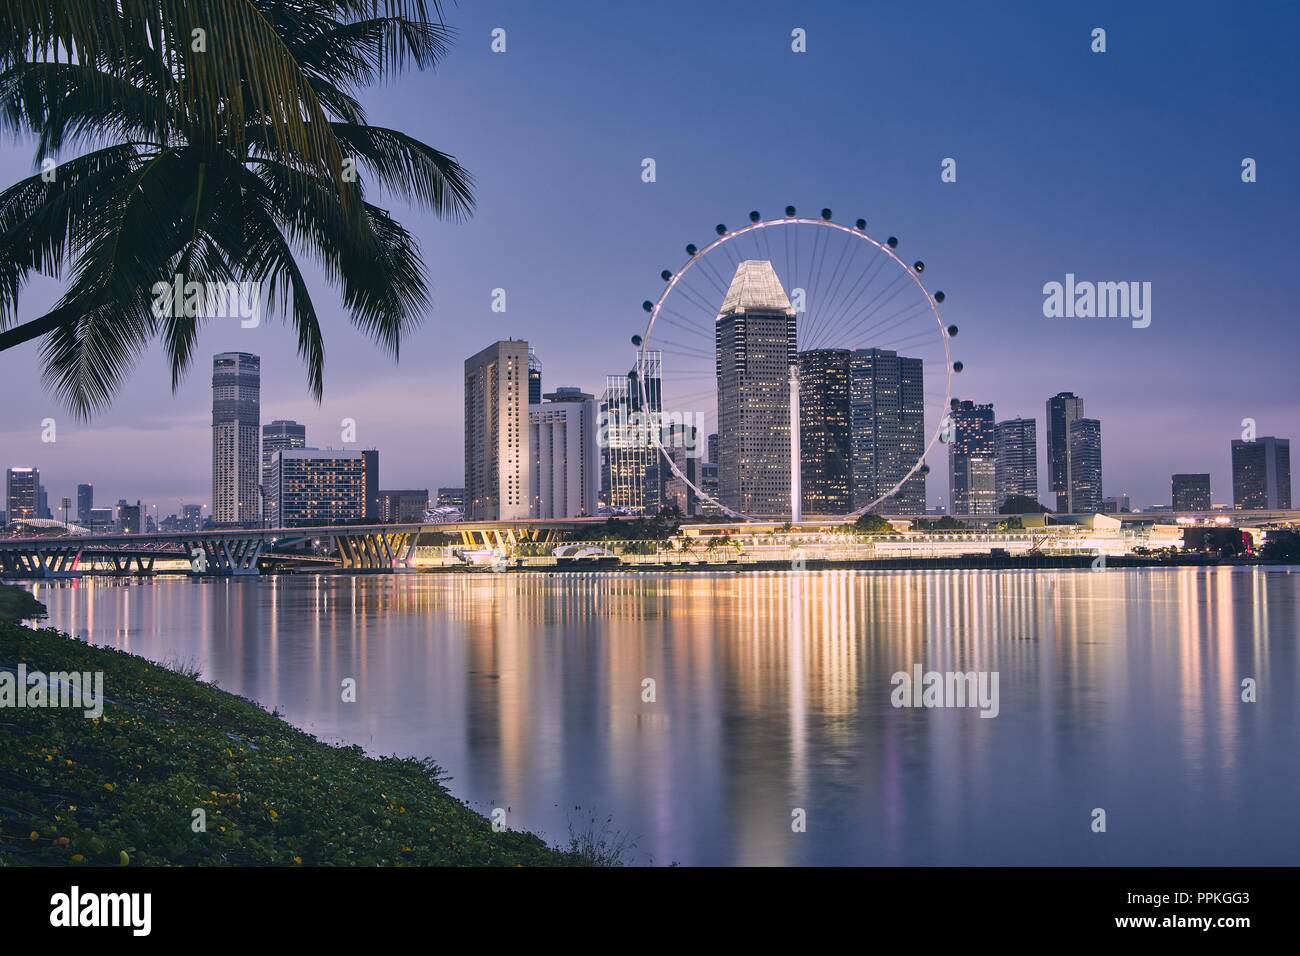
x=753, y=226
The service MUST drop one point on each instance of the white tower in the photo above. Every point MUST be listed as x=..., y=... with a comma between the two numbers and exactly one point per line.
x=796, y=490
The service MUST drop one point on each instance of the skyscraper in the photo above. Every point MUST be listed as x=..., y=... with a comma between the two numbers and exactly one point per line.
x=1261, y=474
x=1191, y=492
x=22, y=494
x=887, y=412
x=236, y=412
x=972, y=460
x=1016, y=473
x=1084, y=477
x=755, y=340
x=534, y=379
x=565, y=468
x=280, y=435
x=1062, y=409
x=85, y=502
x=370, y=456
x=496, y=432
x=679, y=443
x=627, y=451
x=824, y=431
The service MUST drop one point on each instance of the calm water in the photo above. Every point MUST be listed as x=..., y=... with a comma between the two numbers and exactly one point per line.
x=1118, y=689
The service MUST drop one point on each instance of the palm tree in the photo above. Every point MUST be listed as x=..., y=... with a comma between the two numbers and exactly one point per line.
x=219, y=140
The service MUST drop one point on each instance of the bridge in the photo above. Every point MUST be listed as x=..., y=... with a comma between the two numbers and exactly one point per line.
x=237, y=551
x=389, y=548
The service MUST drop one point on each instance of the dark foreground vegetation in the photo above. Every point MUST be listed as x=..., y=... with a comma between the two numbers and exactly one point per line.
x=123, y=789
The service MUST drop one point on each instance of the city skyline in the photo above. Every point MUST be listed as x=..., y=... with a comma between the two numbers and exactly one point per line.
x=987, y=246
x=1006, y=456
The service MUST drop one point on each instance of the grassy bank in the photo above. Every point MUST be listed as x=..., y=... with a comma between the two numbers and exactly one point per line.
x=17, y=604
x=124, y=789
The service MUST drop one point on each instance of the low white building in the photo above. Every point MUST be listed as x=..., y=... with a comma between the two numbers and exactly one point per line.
x=564, y=474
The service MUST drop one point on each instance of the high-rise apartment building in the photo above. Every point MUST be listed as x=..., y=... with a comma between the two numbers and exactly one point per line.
x=1261, y=474
x=1016, y=471
x=755, y=342
x=1191, y=492
x=565, y=468
x=496, y=432
x=236, y=412
x=1062, y=409
x=887, y=413
x=312, y=486
x=972, y=460
x=1084, y=475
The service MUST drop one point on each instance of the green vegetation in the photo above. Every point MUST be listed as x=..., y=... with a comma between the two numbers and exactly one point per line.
x=124, y=789
x=229, y=154
x=1282, y=545
x=17, y=604
x=1022, y=505
x=872, y=524
x=946, y=523
x=661, y=527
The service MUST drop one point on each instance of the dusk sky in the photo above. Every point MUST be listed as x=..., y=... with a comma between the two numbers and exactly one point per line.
x=1122, y=166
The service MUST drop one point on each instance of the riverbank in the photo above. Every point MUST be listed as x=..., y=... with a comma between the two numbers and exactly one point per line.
x=179, y=772
x=17, y=604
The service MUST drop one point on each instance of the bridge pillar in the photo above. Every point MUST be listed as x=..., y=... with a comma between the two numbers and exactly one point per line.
x=235, y=557
x=384, y=551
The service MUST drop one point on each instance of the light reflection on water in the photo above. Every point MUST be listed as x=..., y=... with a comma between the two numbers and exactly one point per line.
x=1118, y=689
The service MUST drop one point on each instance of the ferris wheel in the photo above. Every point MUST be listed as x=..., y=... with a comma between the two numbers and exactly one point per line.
x=816, y=355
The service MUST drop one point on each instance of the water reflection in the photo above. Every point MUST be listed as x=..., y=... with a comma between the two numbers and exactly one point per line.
x=1119, y=689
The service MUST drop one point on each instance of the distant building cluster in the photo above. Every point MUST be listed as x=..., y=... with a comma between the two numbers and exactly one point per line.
x=822, y=432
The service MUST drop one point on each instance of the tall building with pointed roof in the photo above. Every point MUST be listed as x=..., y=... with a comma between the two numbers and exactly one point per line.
x=755, y=339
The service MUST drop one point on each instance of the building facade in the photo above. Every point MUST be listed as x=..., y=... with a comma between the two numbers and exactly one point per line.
x=1191, y=492
x=236, y=411
x=280, y=435
x=825, y=432
x=625, y=439
x=451, y=498
x=1084, y=475
x=1062, y=409
x=534, y=379
x=496, y=432
x=1261, y=474
x=85, y=502
x=972, y=460
x=311, y=486
x=1016, y=471
x=22, y=494
x=403, y=507
x=887, y=416
x=564, y=473
x=755, y=346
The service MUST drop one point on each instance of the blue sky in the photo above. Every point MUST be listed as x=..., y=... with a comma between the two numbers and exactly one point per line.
x=1117, y=166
